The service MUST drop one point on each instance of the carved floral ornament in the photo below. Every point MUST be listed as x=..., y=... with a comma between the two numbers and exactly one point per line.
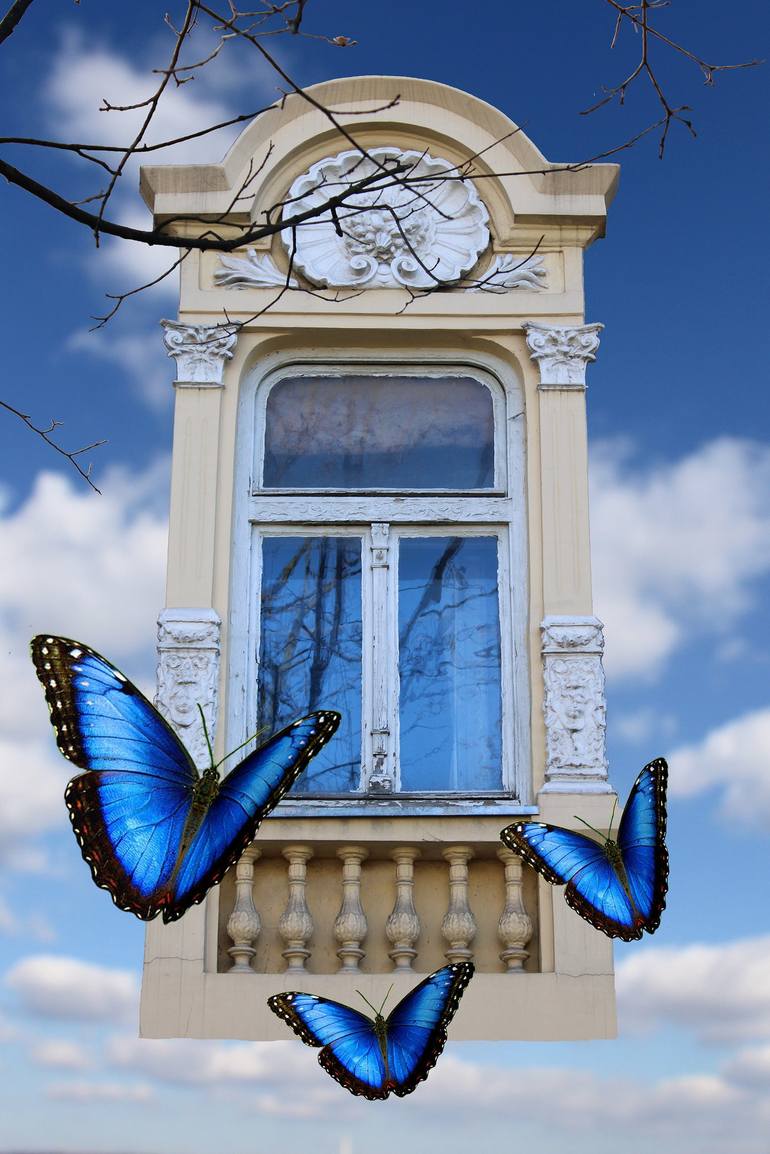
x=431, y=232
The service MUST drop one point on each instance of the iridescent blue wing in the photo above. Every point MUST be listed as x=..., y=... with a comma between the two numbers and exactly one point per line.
x=351, y=1051
x=417, y=1027
x=130, y=808
x=641, y=838
x=565, y=857
x=244, y=798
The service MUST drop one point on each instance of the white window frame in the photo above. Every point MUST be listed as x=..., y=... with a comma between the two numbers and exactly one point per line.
x=499, y=512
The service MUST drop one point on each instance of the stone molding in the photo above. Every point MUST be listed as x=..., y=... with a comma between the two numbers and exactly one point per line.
x=200, y=352
x=381, y=237
x=562, y=353
x=574, y=704
x=508, y=271
x=188, y=675
x=255, y=270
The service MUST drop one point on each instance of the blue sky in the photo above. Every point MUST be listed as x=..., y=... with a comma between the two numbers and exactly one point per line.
x=679, y=408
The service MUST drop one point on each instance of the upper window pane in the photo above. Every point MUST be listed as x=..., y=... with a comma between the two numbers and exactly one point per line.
x=379, y=432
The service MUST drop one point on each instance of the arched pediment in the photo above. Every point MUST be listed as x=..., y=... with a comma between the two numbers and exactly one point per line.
x=512, y=180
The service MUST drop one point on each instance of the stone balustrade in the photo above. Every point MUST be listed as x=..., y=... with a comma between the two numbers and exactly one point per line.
x=348, y=908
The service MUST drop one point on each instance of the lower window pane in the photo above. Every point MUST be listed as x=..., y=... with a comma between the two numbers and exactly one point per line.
x=449, y=664
x=310, y=648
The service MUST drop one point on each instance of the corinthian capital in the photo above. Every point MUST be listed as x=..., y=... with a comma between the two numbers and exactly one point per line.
x=200, y=352
x=562, y=353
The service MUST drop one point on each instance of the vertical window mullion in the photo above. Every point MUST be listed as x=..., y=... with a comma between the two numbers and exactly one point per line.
x=381, y=776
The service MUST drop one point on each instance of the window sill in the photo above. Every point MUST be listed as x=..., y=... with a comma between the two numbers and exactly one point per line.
x=402, y=805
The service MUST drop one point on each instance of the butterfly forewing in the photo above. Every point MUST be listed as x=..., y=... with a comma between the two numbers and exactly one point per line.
x=641, y=837
x=131, y=808
x=417, y=1027
x=351, y=1054
x=101, y=720
x=245, y=797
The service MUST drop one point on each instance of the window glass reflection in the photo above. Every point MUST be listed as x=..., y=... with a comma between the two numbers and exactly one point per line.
x=310, y=648
x=379, y=432
x=449, y=664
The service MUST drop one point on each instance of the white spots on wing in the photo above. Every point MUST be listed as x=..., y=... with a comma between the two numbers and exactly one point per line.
x=76, y=653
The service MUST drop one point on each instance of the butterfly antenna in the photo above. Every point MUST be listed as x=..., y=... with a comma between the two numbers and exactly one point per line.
x=612, y=816
x=243, y=743
x=206, y=735
x=369, y=1004
x=586, y=823
x=384, y=1000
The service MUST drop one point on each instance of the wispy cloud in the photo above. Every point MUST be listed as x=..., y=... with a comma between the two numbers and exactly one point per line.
x=733, y=759
x=54, y=986
x=677, y=985
x=677, y=547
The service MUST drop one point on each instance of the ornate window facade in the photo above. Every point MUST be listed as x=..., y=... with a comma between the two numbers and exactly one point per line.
x=383, y=538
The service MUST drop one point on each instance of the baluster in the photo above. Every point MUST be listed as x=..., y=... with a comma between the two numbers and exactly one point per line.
x=350, y=924
x=402, y=928
x=296, y=924
x=515, y=926
x=459, y=924
x=244, y=923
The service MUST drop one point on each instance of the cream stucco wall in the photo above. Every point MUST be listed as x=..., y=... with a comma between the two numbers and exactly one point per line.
x=566, y=988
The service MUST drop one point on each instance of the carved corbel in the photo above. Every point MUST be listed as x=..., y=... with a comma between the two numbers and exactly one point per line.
x=574, y=704
x=188, y=675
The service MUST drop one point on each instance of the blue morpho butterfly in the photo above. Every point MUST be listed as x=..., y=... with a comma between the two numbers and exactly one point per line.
x=156, y=833
x=374, y=1057
x=618, y=886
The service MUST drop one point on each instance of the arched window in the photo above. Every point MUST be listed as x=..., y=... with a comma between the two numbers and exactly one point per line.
x=382, y=558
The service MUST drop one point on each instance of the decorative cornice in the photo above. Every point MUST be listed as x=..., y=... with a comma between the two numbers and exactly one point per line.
x=255, y=270
x=188, y=675
x=200, y=352
x=562, y=353
x=387, y=236
x=508, y=271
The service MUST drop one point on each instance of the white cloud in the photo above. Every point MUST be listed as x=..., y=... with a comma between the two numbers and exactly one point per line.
x=733, y=758
x=88, y=1093
x=258, y=1071
x=61, y=1054
x=643, y=724
x=676, y=547
x=30, y=925
x=721, y=991
x=74, y=557
x=83, y=75
x=54, y=986
x=751, y=1068
x=139, y=355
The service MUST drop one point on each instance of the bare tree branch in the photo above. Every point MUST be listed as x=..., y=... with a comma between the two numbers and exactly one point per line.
x=70, y=454
x=12, y=18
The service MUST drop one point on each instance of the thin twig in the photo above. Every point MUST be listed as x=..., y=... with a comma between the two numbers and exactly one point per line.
x=71, y=455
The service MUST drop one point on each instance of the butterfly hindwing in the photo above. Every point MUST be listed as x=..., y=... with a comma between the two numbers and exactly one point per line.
x=245, y=797
x=413, y=1035
x=136, y=808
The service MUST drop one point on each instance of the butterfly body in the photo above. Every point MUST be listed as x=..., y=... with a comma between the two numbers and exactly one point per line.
x=619, y=886
x=156, y=833
x=376, y=1057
